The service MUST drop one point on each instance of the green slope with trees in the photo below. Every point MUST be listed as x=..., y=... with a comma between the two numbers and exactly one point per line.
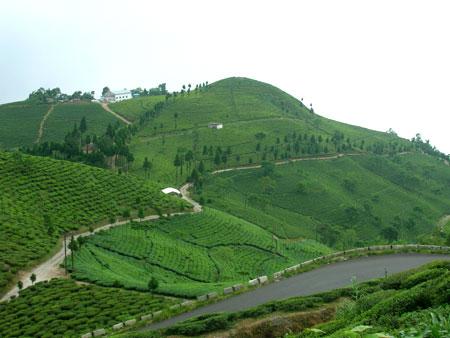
x=133, y=109
x=67, y=115
x=41, y=198
x=19, y=123
x=346, y=202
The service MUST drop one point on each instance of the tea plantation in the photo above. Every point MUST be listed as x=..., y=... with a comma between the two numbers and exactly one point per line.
x=133, y=109
x=66, y=115
x=261, y=123
x=189, y=255
x=61, y=308
x=41, y=198
x=347, y=202
x=19, y=123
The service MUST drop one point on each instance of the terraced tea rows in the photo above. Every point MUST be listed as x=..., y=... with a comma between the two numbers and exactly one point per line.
x=40, y=198
x=188, y=254
x=19, y=123
x=63, y=308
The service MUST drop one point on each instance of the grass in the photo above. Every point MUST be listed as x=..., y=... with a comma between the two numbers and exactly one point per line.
x=66, y=115
x=259, y=121
x=63, y=308
x=134, y=108
x=19, y=123
x=398, y=304
x=348, y=201
x=70, y=195
x=189, y=255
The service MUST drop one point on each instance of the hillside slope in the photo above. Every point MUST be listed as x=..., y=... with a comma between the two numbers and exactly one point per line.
x=41, y=198
x=260, y=121
x=346, y=202
x=19, y=123
x=66, y=115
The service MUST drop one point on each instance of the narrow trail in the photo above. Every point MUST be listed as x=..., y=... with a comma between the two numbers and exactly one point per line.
x=51, y=268
x=41, y=125
x=283, y=162
x=443, y=221
x=120, y=117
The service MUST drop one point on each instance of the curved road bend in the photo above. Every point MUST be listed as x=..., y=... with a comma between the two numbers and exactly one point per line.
x=325, y=278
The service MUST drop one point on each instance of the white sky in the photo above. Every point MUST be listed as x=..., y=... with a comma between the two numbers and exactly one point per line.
x=379, y=64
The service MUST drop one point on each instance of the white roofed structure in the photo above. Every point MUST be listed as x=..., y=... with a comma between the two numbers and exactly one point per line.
x=170, y=190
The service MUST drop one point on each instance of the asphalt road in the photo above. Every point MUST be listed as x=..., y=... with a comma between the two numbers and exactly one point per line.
x=325, y=278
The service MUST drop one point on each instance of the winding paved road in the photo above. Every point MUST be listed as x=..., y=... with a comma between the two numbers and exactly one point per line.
x=325, y=278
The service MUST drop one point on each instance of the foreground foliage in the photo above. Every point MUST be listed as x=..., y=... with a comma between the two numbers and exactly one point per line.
x=61, y=308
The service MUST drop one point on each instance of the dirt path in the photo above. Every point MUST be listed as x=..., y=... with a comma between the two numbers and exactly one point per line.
x=120, y=117
x=41, y=125
x=283, y=162
x=185, y=193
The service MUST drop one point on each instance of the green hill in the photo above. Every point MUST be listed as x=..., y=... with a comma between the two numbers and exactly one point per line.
x=19, y=123
x=41, y=198
x=189, y=255
x=346, y=202
x=260, y=122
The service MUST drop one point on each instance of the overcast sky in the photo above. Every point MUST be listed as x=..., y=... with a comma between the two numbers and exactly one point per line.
x=378, y=64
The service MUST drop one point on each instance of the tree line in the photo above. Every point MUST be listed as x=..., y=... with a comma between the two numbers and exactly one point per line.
x=107, y=150
x=43, y=95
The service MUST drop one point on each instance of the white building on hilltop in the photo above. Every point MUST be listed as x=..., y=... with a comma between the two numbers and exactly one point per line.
x=117, y=95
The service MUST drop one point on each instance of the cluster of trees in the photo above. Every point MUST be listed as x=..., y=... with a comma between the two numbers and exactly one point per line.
x=427, y=148
x=43, y=95
x=187, y=90
x=108, y=150
x=151, y=114
x=160, y=90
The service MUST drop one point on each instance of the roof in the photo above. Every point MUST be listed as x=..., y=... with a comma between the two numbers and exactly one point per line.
x=170, y=190
x=121, y=92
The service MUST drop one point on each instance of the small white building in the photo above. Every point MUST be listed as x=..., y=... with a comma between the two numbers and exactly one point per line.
x=215, y=125
x=171, y=191
x=117, y=95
